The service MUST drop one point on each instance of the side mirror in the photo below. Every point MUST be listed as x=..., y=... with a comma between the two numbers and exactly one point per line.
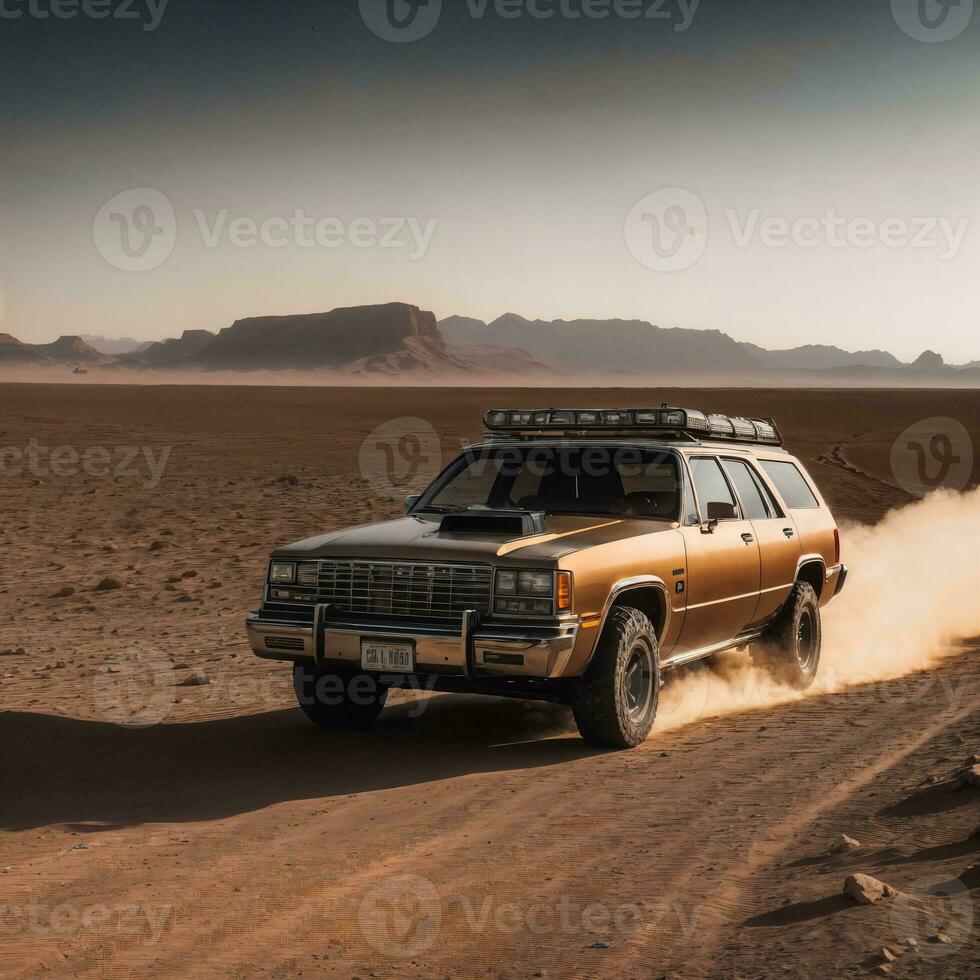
x=718, y=511
x=708, y=527
x=411, y=500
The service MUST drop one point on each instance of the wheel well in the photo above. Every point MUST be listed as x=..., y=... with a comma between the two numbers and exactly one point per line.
x=649, y=600
x=812, y=572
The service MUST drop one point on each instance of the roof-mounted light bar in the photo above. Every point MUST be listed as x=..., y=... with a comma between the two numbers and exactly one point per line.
x=664, y=419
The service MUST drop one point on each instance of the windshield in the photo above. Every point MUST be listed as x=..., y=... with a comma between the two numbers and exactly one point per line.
x=605, y=480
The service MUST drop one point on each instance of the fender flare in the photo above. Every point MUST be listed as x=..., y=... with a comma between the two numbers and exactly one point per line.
x=630, y=584
x=812, y=559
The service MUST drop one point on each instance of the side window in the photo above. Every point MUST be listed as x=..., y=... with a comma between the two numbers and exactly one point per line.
x=791, y=485
x=714, y=494
x=774, y=509
x=754, y=505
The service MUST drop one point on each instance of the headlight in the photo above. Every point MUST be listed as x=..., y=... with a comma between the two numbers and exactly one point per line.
x=535, y=607
x=282, y=571
x=535, y=583
x=532, y=592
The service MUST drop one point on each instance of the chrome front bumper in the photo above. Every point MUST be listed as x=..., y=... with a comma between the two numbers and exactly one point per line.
x=469, y=650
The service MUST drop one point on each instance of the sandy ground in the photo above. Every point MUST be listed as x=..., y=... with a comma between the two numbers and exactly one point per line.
x=209, y=831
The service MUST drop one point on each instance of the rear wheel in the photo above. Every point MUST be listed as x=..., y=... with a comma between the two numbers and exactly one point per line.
x=615, y=703
x=790, y=649
x=333, y=700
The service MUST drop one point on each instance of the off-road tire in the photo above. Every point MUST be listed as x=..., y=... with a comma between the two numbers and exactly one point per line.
x=607, y=710
x=790, y=648
x=345, y=704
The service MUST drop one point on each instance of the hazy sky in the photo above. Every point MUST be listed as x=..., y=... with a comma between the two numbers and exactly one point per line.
x=835, y=156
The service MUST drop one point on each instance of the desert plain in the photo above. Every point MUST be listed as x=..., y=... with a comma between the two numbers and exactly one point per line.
x=167, y=811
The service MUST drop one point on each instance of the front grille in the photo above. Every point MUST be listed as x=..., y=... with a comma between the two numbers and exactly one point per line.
x=405, y=588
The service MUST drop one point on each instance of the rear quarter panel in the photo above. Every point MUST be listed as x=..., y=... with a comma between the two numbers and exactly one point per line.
x=815, y=526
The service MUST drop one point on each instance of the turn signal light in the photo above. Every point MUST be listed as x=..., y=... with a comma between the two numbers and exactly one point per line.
x=563, y=594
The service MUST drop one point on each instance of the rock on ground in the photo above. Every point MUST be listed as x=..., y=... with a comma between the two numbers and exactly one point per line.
x=866, y=890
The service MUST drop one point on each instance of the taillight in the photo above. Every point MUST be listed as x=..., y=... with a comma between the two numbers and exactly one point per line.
x=836, y=546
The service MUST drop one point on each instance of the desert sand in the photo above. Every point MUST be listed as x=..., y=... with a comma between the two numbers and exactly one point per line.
x=198, y=826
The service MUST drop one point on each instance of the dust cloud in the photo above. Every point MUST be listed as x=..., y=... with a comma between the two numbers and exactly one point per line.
x=911, y=597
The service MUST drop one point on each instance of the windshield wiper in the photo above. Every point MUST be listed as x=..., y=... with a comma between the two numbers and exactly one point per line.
x=586, y=513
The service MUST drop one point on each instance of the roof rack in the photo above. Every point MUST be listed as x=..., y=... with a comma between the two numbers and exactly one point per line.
x=663, y=421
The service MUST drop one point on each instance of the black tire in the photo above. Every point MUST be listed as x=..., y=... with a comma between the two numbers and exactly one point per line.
x=615, y=703
x=790, y=649
x=335, y=701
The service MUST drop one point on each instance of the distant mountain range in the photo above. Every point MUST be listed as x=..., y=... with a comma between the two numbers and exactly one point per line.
x=391, y=339
x=633, y=348
x=398, y=340
x=119, y=345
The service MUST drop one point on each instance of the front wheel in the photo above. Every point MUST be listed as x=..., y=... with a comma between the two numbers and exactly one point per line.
x=335, y=701
x=615, y=703
x=790, y=648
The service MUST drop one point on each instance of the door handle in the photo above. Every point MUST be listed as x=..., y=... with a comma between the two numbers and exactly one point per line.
x=788, y=531
x=747, y=538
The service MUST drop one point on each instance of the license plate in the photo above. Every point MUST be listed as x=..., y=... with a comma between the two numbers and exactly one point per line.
x=387, y=655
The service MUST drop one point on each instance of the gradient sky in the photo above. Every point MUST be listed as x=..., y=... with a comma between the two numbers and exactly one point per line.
x=528, y=141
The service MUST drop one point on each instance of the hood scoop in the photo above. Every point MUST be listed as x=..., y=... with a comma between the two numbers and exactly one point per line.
x=508, y=523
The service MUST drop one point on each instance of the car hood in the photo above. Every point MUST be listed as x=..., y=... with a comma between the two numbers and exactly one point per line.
x=418, y=538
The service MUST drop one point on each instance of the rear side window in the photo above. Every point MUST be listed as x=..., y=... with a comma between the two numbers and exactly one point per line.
x=753, y=504
x=790, y=484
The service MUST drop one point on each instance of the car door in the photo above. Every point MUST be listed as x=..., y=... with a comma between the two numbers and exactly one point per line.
x=723, y=573
x=779, y=544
